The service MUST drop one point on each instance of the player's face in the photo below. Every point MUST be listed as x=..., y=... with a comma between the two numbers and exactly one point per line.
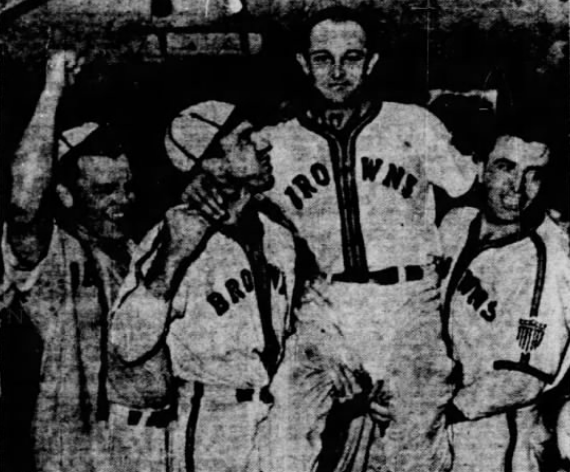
x=512, y=177
x=247, y=151
x=104, y=196
x=337, y=61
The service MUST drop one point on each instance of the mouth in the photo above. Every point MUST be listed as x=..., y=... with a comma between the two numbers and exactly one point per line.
x=338, y=85
x=117, y=214
x=512, y=202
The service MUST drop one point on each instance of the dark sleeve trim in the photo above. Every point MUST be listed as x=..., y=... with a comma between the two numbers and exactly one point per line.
x=524, y=368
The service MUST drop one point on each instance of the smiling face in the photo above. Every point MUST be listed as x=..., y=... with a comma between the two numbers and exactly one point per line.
x=337, y=62
x=103, y=196
x=512, y=178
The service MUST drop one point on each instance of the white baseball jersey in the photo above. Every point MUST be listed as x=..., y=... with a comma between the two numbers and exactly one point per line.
x=507, y=304
x=392, y=156
x=362, y=198
x=214, y=330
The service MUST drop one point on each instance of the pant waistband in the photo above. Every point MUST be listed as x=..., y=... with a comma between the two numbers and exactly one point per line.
x=240, y=395
x=389, y=276
x=147, y=418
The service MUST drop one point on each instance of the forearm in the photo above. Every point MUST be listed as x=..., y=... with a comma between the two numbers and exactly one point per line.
x=497, y=393
x=180, y=242
x=29, y=217
x=32, y=168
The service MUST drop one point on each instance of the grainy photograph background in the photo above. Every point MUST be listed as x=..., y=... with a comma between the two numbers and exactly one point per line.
x=470, y=62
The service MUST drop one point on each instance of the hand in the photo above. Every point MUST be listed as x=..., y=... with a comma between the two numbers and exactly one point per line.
x=345, y=382
x=61, y=69
x=185, y=230
x=202, y=194
x=379, y=409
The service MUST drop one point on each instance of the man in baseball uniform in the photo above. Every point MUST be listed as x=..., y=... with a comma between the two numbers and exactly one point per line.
x=64, y=260
x=218, y=296
x=507, y=307
x=355, y=175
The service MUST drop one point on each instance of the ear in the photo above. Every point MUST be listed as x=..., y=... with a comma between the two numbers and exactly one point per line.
x=64, y=196
x=371, y=63
x=303, y=63
x=480, y=171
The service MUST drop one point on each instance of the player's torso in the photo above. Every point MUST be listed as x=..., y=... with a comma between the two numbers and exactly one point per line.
x=219, y=336
x=503, y=307
x=395, y=204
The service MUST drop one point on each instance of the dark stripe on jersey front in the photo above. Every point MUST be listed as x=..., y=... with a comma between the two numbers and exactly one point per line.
x=540, y=273
x=342, y=146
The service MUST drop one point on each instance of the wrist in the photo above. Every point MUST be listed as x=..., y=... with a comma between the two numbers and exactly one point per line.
x=53, y=89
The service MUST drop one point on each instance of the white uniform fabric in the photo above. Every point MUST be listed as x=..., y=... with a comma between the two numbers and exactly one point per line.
x=507, y=305
x=397, y=154
x=214, y=335
x=62, y=296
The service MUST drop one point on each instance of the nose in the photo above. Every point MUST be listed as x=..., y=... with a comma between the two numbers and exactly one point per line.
x=125, y=195
x=261, y=141
x=337, y=71
x=518, y=180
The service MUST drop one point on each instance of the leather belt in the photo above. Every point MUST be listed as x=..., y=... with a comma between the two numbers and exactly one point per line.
x=248, y=394
x=388, y=276
x=156, y=419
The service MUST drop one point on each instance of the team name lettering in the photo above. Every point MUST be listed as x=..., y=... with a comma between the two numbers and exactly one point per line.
x=237, y=290
x=396, y=177
x=477, y=296
x=307, y=187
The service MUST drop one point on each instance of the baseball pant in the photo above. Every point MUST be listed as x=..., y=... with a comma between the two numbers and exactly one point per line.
x=511, y=441
x=396, y=345
x=215, y=428
x=402, y=347
x=135, y=445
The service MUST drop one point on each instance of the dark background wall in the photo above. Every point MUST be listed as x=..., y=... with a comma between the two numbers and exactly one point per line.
x=518, y=47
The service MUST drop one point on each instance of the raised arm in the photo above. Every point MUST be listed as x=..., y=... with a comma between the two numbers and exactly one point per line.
x=29, y=219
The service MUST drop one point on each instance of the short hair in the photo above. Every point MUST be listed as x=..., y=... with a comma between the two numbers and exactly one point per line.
x=338, y=14
x=104, y=141
x=516, y=127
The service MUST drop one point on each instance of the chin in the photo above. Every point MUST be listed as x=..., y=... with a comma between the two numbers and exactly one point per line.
x=114, y=231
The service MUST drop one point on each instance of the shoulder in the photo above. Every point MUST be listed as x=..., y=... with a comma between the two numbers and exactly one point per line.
x=408, y=112
x=554, y=237
x=458, y=219
x=455, y=226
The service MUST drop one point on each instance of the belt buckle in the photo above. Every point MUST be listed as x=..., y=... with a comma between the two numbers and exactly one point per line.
x=244, y=395
x=134, y=417
x=413, y=273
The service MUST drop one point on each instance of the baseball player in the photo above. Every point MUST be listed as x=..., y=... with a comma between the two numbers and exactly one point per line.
x=63, y=269
x=507, y=306
x=355, y=175
x=217, y=295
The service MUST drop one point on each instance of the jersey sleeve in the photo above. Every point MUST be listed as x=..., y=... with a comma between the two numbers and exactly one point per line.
x=446, y=167
x=138, y=318
x=496, y=392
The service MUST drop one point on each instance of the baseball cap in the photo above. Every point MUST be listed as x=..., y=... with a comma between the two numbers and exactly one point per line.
x=71, y=138
x=193, y=130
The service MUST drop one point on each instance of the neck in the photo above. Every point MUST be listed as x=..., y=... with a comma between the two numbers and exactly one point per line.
x=492, y=230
